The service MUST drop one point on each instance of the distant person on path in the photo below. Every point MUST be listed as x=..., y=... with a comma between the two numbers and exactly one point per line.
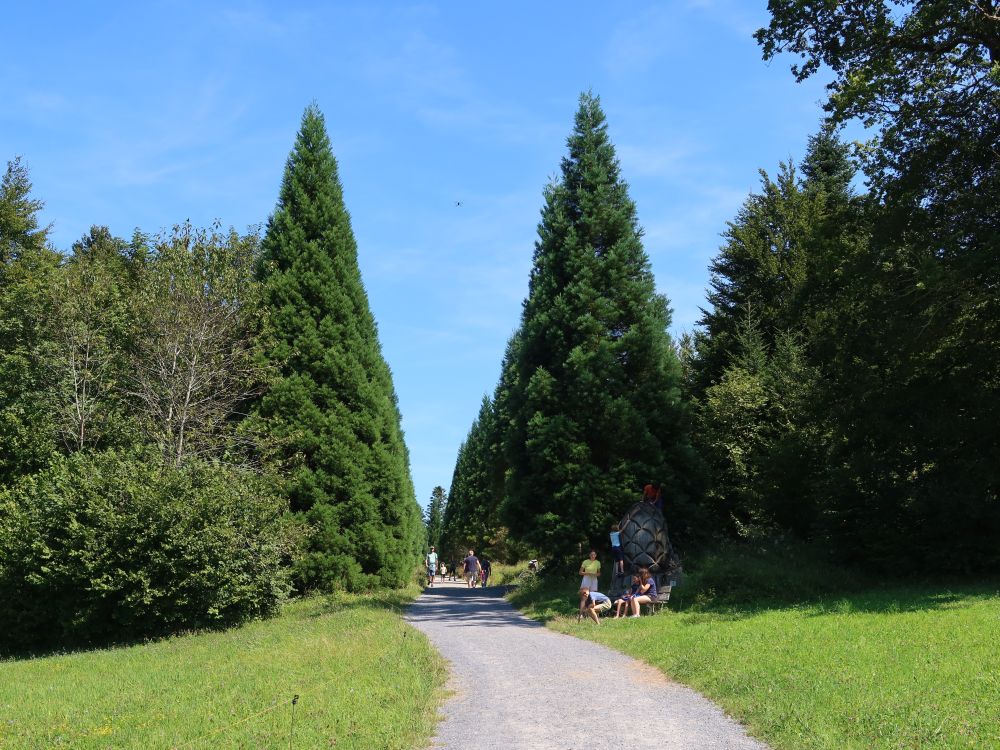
x=431, y=559
x=624, y=604
x=616, y=550
x=592, y=604
x=590, y=570
x=472, y=569
x=487, y=568
x=646, y=593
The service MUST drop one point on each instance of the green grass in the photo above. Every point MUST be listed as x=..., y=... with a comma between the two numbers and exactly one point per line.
x=506, y=574
x=898, y=667
x=365, y=680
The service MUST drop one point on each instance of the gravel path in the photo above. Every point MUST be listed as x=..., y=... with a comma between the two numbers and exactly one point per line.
x=518, y=685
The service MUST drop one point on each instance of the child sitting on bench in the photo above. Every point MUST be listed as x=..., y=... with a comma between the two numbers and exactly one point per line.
x=623, y=604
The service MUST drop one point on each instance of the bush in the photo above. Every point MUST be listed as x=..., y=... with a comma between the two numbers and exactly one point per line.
x=104, y=547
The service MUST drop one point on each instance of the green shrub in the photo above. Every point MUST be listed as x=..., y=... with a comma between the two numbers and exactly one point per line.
x=103, y=547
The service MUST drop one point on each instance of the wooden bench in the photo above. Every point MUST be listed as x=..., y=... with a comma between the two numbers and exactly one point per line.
x=662, y=597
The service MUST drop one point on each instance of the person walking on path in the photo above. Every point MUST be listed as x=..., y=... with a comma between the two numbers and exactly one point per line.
x=590, y=572
x=472, y=569
x=487, y=568
x=431, y=560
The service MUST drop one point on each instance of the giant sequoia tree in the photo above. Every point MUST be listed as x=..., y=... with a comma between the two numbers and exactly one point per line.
x=333, y=410
x=595, y=404
x=471, y=517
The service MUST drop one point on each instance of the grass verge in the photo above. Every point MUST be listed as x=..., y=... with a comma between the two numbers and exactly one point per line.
x=900, y=666
x=364, y=679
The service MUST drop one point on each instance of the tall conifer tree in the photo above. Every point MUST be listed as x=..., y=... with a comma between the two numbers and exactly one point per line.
x=435, y=516
x=595, y=405
x=27, y=267
x=334, y=410
x=472, y=514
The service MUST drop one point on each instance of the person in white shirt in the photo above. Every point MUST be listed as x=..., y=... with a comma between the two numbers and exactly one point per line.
x=431, y=560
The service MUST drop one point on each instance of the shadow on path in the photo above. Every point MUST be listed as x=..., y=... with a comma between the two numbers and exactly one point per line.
x=454, y=605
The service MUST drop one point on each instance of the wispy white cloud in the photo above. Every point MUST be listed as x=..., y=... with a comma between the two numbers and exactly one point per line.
x=639, y=42
x=666, y=161
x=46, y=102
x=257, y=21
x=414, y=66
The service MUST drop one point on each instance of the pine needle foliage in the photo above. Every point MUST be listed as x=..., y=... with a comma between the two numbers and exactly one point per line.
x=334, y=409
x=595, y=405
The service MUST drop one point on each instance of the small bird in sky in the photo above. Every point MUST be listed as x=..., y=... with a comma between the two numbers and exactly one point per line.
x=458, y=203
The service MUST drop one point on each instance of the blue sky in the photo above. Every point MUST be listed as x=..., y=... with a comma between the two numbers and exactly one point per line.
x=146, y=114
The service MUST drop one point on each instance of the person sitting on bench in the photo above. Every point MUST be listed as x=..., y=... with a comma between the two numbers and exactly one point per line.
x=592, y=604
x=624, y=604
x=646, y=593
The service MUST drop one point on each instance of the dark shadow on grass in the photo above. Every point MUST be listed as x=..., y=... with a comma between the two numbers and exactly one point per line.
x=395, y=601
x=900, y=599
x=879, y=600
x=549, y=600
x=42, y=651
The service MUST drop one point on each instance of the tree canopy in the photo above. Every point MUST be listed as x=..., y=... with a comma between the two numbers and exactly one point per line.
x=594, y=404
x=333, y=408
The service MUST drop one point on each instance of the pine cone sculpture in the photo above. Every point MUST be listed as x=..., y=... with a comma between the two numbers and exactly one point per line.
x=644, y=539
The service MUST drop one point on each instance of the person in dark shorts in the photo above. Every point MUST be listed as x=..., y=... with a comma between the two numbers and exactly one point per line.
x=431, y=561
x=487, y=568
x=616, y=550
x=472, y=569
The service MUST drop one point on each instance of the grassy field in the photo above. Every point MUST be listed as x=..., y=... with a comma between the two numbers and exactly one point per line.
x=892, y=668
x=364, y=680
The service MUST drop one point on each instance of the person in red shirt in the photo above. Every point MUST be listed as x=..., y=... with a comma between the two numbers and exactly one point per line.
x=649, y=492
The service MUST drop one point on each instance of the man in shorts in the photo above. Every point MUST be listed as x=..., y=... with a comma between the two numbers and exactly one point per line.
x=472, y=569
x=592, y=605
x=431, y=560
